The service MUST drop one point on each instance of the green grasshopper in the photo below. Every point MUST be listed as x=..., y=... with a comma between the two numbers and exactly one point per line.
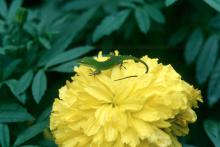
x=109, y=63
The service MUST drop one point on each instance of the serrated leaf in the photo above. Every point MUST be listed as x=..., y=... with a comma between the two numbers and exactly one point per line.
x=142, y=19
x=67, y=36
x=3, y=8
x=4, y=136
x=39, y=85
x=207, y=59
x=30, y=133
x=66, y=67
x=193, y=45
x=69, y=55
x=13, y=9
x=212, y=129
x=110, y=24
x=10, y=69
x=13, y=112
x=45, y=42
x=155, y=13
x=214, y=85
x=215, y=4
x=25, y=81
x=169, y=2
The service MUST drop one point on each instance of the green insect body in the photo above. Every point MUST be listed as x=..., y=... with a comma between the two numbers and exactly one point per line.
x=109, y=63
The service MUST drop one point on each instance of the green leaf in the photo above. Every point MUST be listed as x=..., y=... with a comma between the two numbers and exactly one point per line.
x=127, y=4
x=81, y=4
x=45, y=42
x=30, y=133
x=214, y=86
x=24, y=81
x=187, y=145
x=13, y=112
x=69, y=55
x=3, y=8
x=193, y=45
x=134, y=1
x=29, y=146
x=47, y=143
x=155, y=13
x=178, y=36
x=215, y=4
x=66, y=67
x=67, y=36
x=169, y=2
x=13, y=86
x=1, y=66
x=22, y=97
x=214, y=23
x=110, y=7
x=142, y=19
x=207, y=59
x=110, y=24
x=13, y=9
x=10, y=69
x=212, y=129
x=4, y=135
x=2, y=30
x=45, y=114
x=21, y=16
x=39, y=85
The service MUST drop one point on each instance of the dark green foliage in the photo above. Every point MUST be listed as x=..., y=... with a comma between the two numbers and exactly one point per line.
x=39, y=85
x=169, y=2
x=193, y=45
x=207, y=59
x=13, y=112
x=142, y=19
x=212, y=129
x=214, y=4
x=30, y=132
x=214, y=85
x=68, y=55
x=4, y=136
x=110, y=24
x=41, y=42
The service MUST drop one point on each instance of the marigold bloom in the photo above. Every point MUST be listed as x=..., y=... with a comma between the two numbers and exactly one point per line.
x=150, y=110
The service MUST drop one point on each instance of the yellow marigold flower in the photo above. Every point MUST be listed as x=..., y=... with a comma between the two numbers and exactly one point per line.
x=150, y=110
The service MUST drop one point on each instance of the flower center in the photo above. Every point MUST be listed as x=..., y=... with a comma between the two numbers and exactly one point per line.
x=113, y=102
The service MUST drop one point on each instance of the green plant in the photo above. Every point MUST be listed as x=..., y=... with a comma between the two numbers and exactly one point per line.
x=40, y=43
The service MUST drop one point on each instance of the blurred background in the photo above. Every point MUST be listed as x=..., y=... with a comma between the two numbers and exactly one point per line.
x=41, y=41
